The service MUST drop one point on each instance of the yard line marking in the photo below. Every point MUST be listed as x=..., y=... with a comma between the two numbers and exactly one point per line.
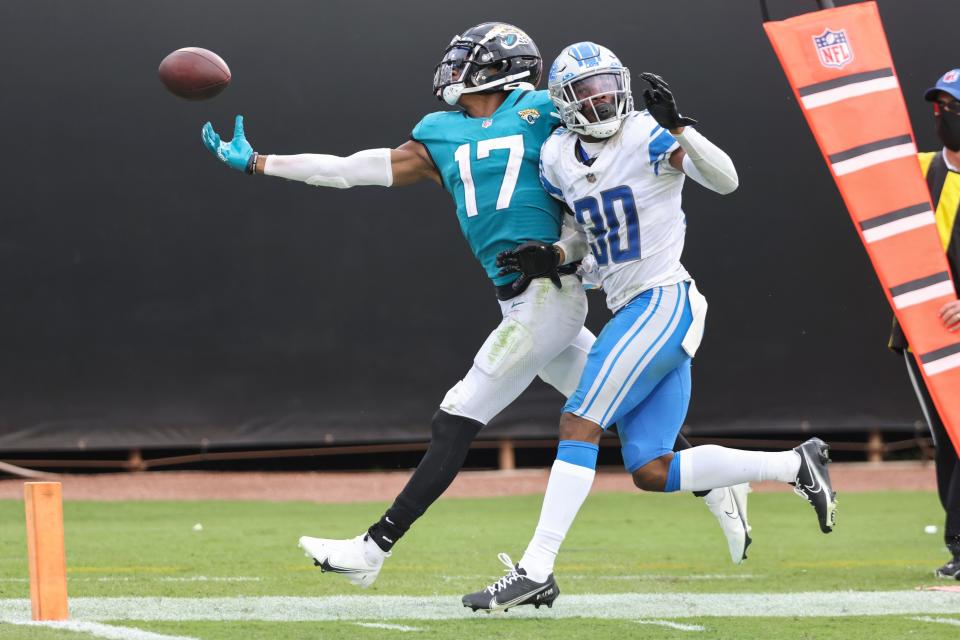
x=102, y=630
x=622, y=606
x=380, y=625
x=154, y=579
x=209, y=579
x=668, y=577
x=673, y=625
x=952, y=621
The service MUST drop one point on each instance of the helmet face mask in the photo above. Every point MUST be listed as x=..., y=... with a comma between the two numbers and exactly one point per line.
x=591, y=90
x=452, y=66
x=487, y=58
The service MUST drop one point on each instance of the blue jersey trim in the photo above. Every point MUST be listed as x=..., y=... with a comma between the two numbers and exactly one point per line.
x=549, y=186
x=660, y=145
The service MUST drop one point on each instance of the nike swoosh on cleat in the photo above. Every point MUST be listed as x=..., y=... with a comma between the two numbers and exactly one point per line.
x=732, y=514
x=515, y=601
x=817, y=485
x=326, y=566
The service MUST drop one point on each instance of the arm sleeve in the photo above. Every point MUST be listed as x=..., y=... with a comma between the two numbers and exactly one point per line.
x=573, y=240
x=370, y=167
x=706, y=163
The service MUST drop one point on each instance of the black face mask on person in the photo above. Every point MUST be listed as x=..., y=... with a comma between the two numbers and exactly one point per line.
x=948, y=127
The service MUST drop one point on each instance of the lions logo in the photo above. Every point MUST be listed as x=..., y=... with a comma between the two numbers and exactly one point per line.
x=529, y=115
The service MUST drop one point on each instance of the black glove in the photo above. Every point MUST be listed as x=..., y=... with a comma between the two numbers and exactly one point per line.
x=531, y=260
x=659, y=102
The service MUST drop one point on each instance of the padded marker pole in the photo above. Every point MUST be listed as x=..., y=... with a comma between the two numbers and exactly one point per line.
x=839, y=66
x=46, y=551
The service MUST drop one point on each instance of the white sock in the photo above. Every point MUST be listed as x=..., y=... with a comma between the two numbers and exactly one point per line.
x=710, y=467
x=568, y=487
x=372, y=553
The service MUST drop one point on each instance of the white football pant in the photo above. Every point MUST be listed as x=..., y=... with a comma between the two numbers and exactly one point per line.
x=541, y=333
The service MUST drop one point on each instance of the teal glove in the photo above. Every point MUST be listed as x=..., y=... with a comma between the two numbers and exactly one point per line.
x=236, y=154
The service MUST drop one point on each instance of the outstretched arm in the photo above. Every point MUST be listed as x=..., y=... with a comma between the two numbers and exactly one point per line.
x=697, y=157
x=404, y=165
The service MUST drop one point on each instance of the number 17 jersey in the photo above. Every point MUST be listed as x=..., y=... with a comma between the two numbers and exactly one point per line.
x=627, y=202
x=491, y=168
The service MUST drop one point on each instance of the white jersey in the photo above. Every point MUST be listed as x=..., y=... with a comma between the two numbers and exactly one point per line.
x=627, y=203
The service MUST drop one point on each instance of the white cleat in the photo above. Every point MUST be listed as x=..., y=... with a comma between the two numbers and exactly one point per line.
x=346, y=557
x=740, y=492
x=725, y=505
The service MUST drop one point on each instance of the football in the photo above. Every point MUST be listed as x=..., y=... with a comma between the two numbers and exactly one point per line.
x=194, y=73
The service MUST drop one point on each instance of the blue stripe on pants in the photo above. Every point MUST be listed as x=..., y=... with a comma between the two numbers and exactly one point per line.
x=630, y=361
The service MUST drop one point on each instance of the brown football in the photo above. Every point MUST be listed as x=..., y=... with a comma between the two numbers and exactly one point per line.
x=194, y=73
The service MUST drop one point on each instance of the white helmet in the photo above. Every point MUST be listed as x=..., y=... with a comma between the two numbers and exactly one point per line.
x=591, y=89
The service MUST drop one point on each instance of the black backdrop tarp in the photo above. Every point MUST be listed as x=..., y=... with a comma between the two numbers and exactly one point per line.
x=151, y=297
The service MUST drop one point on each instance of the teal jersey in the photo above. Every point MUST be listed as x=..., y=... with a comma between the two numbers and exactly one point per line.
x=491, y=168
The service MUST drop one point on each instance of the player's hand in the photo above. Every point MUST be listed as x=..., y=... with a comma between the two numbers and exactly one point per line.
x=658, y=100
x=236, y=154
x=531, y=260
x=950, y=314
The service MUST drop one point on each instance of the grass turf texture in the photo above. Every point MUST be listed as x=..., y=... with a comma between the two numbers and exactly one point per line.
x=500, y=627
x=621, y=543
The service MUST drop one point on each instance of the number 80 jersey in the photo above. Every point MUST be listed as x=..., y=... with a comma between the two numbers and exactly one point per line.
x=627, y=202
x=491, y=168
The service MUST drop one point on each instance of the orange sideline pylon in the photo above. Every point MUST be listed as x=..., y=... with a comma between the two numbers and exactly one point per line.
x=839, y=66
x=45, y=547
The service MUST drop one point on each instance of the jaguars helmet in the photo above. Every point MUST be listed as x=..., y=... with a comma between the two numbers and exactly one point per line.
x=591, y=89
x=493, y=56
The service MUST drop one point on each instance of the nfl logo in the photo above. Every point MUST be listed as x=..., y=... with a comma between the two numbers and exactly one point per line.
x=833, y=48
x=486, y=123
x=951, y=76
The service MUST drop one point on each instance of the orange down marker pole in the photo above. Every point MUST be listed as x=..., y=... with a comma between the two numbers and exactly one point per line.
x=45, y=547
x=839, y=66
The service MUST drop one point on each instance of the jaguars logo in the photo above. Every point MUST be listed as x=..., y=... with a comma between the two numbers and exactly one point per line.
x=509, y=36
x=529, y=115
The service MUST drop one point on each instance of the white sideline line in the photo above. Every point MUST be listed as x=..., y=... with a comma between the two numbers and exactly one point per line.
x=673, y=625
x=380, y=625
x=669, y=577
x=952, y=621
x=101, y=630
x=71, y=579
x=622, y=606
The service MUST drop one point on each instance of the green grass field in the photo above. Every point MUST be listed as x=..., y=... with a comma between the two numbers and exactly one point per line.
x=624, y=552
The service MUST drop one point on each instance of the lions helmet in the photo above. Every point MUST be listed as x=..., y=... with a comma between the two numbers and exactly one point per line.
x=591, y=89
x=493, y=56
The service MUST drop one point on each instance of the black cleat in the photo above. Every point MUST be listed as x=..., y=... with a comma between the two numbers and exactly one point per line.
x=951, y=570
x=813, y=481
x=513, y=590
